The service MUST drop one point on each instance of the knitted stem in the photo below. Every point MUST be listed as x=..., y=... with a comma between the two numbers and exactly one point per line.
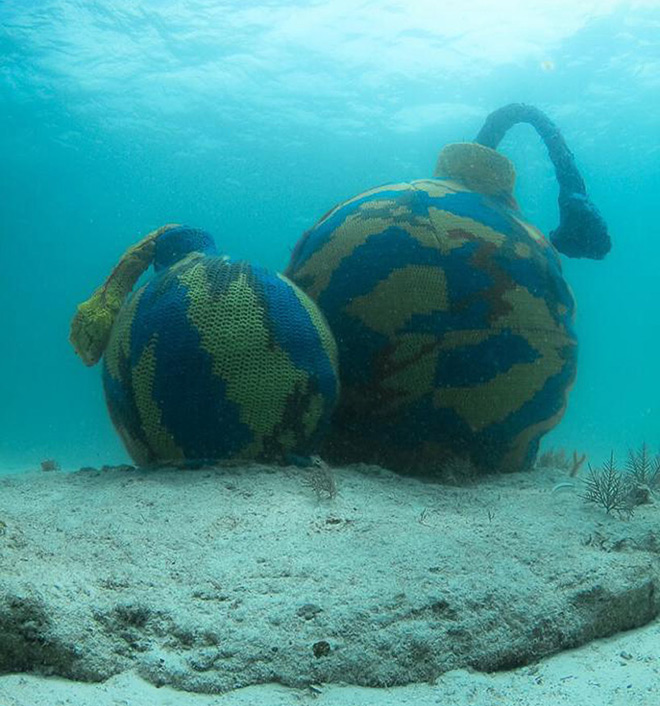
x=582, y=232
x=92, y=323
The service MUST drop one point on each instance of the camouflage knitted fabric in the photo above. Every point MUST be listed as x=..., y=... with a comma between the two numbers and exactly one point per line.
x=213, y=359
x=453, y=321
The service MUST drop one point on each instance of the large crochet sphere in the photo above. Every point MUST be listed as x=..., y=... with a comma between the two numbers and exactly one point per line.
x=213, y=359
x=453, y=323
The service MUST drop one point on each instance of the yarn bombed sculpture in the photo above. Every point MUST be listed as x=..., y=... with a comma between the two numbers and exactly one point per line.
x=210, y=359
x=453, y=321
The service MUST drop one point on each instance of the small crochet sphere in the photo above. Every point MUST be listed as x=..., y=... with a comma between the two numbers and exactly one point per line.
x=453, y=321
x=213, y=359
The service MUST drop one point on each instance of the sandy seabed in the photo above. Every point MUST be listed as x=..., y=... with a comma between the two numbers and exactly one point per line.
x=217, y=586
x=621, y=671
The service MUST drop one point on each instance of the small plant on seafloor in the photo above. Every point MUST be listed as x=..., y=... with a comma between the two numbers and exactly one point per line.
x=560, y=459
x=643, y=469
x=623, y=492
x=320, y=478
x=608, y=488
x=458, y=470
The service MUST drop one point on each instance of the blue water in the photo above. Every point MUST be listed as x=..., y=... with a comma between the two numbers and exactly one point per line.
x=252, y=119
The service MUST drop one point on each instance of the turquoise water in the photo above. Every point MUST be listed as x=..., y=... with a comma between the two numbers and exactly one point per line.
x=252, y=119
